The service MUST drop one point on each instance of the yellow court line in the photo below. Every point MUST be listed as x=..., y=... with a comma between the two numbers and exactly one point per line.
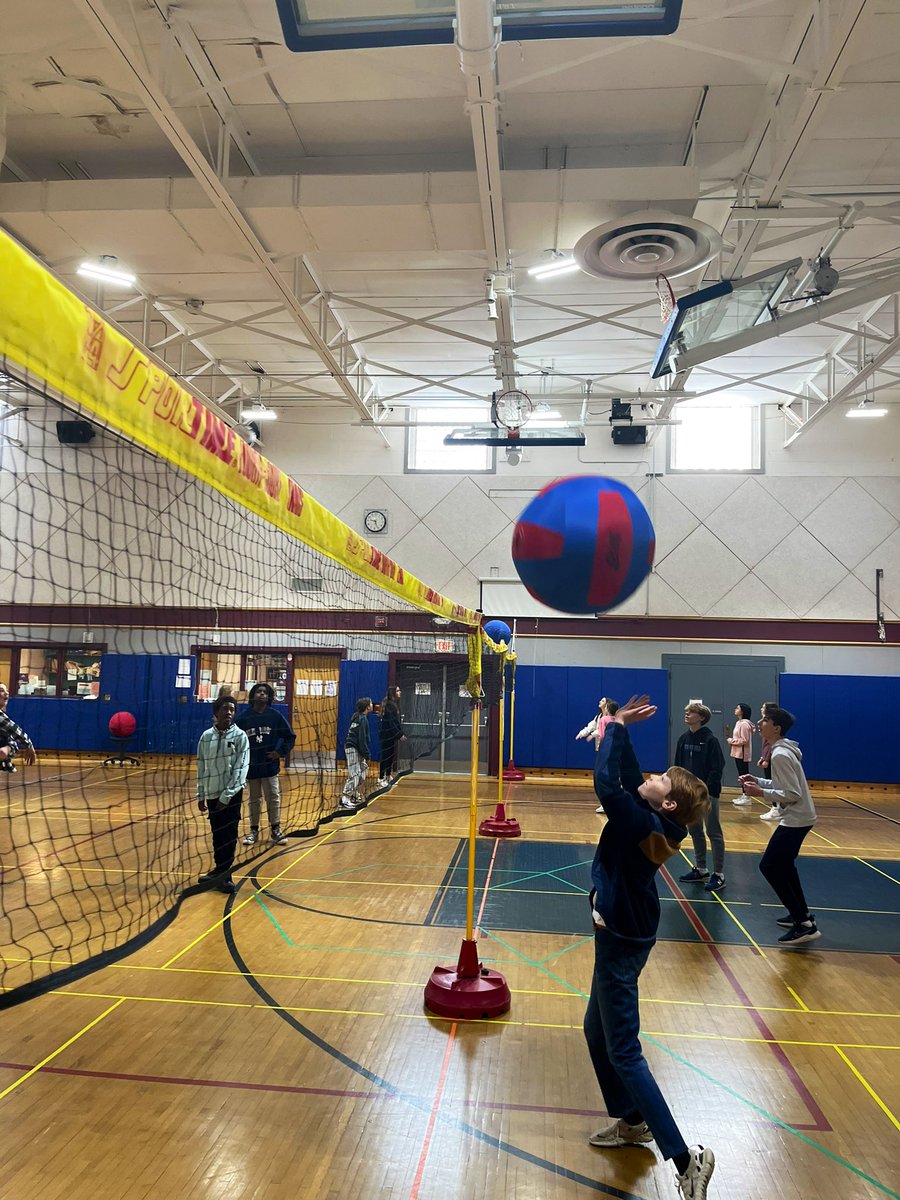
x=866, y=864
x=243, y=904
x=337, y=1012
x=816, y=833
x=797, y=998
x=49, y=1058
x=878, y=1100
x=743, y=930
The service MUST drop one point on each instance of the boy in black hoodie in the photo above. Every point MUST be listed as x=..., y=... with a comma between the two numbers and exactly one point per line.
x=699, y=752
x=271, y=739
x=645, y=825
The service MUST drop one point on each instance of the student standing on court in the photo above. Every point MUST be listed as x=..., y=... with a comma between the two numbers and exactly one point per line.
x=741, y=742
x=223, y=758
x=646, y=822
x=271, y=738
x=789, y=789
x=13, y=738
x=356, y=747
x=598, y=727
x=699, y=752
x=390, y=732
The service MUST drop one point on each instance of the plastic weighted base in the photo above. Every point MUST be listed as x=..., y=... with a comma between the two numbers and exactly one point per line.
x=499, y=825
x=512, y=773
x=469, y=992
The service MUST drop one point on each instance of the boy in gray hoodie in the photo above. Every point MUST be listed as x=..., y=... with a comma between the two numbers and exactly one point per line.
x=789, y=790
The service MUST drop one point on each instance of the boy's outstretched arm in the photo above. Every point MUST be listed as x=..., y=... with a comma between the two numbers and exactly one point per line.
x=617, y=774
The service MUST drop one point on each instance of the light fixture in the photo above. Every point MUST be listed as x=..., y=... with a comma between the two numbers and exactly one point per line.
x=866, y=410
x=106, y=268
x=560, y=266
x=259, y=412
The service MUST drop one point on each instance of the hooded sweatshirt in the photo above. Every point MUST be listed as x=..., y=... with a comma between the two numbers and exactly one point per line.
x=222, y=761
x=634, y=844
x=700, y=753
x=788, y=787
x=267, y=731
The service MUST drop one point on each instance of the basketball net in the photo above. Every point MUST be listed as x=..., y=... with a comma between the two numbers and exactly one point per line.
x=666, y=298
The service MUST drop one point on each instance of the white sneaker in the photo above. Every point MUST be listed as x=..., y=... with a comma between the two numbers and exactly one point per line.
x=251, y=838
x=620, y=1133
x=599, y=808
x=774, y=814
x=277, y=838
x=348, y=802
x=693, y=1183
x=741, y=801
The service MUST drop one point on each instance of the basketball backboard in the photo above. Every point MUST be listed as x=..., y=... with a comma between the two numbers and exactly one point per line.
x=537, y=435
x=714, y=313
x=310, y=25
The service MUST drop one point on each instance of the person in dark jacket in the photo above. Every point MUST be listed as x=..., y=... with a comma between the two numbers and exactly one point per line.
x=645, y=825
x=271, y=738
x=356, y=747
x=390, y=732
x=13, y=738
x=699, y=752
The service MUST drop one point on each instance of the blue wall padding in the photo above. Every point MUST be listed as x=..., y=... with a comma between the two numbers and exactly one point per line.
x=360, y=678
x=554, y=703
x=845, y=725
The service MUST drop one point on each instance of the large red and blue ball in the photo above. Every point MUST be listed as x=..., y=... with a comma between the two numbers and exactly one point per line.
x=498, y=631
x=583, y=544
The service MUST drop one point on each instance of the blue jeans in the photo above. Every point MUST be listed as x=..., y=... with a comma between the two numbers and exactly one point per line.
x=611, y=1026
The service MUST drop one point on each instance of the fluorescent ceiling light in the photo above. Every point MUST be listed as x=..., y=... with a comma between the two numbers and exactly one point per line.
x=259, y=413
x=108, y=271
x=562, y=266
x=867, y=412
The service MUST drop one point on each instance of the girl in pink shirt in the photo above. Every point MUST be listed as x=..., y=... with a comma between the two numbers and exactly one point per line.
x=741, y=745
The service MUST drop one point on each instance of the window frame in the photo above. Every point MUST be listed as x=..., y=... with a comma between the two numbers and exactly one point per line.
x=409, y=446
x=61, y=650
x=758, y=424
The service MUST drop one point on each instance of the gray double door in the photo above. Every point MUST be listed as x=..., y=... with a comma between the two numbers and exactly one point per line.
x=721, y=682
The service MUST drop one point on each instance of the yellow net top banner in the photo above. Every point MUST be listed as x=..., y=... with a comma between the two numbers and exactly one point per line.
x=55, y=336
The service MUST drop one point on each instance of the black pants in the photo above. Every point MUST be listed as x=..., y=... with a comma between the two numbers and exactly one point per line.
x=223, y=823
x=779, y=866
x=387, y=757
x=742, y=765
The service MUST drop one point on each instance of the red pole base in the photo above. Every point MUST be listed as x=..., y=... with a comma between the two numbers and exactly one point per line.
x=499, y=825
x=469, y=992
x=512, y=773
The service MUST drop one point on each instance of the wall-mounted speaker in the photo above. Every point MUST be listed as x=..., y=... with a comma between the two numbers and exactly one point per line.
x=629, y=435
x=74, y=433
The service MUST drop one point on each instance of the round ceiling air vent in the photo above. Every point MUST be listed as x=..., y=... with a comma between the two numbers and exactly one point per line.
x=645, y=245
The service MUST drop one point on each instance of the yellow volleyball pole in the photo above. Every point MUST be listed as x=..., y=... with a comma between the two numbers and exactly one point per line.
x=473, y=821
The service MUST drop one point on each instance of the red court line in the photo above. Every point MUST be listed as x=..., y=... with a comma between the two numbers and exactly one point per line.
x=487, y=882
x=821, y=1122
x=435, y=1106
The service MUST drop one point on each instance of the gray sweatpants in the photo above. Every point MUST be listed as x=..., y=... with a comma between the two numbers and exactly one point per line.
x=270, y=787
x=357, y=770
x=716, y=839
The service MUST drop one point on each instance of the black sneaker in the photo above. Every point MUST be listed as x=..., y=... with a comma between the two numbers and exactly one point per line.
x=695, y=875
x=716, y=883
x=225, y=885
x=787, y=921
x=210, y=876
x=806, y=931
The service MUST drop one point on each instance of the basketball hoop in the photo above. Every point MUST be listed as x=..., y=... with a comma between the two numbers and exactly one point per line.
x=511, y=409
x=666, y=298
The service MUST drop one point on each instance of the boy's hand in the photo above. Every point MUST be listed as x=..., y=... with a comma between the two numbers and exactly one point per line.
x=638, y=708
x=749, y=786
x=201, y=804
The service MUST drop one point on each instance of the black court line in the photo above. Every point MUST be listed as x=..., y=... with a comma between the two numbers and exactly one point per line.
x=862, y=808
x=423, y=1106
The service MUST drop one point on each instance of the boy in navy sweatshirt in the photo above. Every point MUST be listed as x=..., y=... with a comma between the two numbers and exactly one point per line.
x=646, y=823
x=271, y=738
x=356, y=747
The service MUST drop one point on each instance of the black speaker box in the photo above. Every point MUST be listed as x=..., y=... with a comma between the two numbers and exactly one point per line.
x=74, y=433
x=629, y=435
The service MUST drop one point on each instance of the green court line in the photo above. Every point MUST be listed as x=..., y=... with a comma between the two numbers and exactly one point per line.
x=710, y=1078
x=270, y=915
x=558, y=953
x=540, y=874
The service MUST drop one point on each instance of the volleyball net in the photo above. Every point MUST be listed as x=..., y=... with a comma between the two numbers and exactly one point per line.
x=146, y=571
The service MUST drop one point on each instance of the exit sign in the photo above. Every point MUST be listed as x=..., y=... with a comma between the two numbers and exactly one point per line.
x=443, y=645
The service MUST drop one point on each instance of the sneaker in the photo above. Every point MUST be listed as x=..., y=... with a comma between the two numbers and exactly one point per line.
x=693, y=1183
x=251, y=839
x=8, y=765
x=716, y=883
x=620, y=1133
x=741, y=801
x=774, y=814
x=226, y=885
x=599, y=808
x=348, y=802
x=788, y=922
x=209, y=876
x=276, y=837
x=806, y=931
x=695, y=875
x=382, y=783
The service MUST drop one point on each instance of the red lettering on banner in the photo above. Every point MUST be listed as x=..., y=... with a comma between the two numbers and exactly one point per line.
x=153, y=387
x=295, y=498
x=186, y=414
x=93, y=340
x=213, y=438
x=166, y=400
x=250, y=464
x=121, y=375
x=273, y=481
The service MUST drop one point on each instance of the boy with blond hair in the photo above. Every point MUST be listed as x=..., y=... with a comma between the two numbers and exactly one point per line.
x=646, y=823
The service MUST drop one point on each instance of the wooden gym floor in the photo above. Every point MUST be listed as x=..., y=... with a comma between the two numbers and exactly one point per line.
x=273, y=1045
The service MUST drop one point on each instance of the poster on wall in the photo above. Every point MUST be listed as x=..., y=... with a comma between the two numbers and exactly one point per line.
x=316, y=687
x=330, y=687
x=301, y=687
x=423, y=688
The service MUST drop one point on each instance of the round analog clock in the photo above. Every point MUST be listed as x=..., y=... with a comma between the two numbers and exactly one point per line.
x=375, y=520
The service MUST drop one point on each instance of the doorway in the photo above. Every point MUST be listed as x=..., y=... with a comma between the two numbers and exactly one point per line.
x=721, y=681
x=437, y=715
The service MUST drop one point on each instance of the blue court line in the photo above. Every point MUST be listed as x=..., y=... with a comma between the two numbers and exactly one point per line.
x=710, y=1078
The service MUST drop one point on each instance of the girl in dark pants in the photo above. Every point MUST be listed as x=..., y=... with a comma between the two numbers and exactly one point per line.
x=390, y=732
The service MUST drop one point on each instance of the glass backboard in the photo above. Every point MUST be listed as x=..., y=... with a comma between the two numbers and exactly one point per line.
x=538, y=435
x=310, y=25
x=720, y=311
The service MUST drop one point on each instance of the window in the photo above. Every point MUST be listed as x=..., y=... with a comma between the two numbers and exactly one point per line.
x=722, y=437
x=55, y=671
x=425, y=449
